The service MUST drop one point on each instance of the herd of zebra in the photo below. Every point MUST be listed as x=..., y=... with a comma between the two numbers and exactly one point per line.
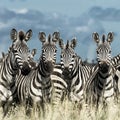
x=30, y=83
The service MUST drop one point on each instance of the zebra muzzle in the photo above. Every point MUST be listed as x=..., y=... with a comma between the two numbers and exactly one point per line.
x=66, y=71
x=104, y=67
x=49, y=66
x=25, y=69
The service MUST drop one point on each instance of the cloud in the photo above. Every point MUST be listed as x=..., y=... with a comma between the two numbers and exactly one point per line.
x=82, y=27
x=21, y=11
x=106, y=14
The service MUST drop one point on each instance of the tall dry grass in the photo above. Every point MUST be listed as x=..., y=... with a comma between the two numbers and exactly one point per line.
x=67, y=111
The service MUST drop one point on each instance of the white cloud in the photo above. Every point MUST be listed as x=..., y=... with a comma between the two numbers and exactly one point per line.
x=3, y=25
x=82, y=29
x=91, y=21
x=55, y=15
x=20, y=11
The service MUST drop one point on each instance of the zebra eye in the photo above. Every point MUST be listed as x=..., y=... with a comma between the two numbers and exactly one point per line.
x=61, y=56
x=14, y=50
x=73, y=56
x=97, y=52
x=110, y=51
x=55, y=50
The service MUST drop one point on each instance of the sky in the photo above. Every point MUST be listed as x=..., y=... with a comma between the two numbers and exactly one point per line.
x=72, y=18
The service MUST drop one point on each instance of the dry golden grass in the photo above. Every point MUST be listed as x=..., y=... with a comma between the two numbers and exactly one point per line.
x=68, y=111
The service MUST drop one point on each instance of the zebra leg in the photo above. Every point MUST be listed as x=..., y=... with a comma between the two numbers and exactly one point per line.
x=39, y=109
x=5, y=106
x=5, y=109
x=28, y=107
x=116, y=89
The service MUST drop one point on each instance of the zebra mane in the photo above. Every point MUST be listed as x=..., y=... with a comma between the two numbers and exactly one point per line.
x=49, y=38
x=103, y=38
x=21, y=35
x=67, y=45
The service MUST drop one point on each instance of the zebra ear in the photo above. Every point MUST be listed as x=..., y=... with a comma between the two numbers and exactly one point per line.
x=42, y=37
x=73, y=43
x=55, y=36
x=61, y=44
x=28, y=35
x=3, y=54
x=33, y=52
x=95, y=36
x=110, y=37
x=13, y=34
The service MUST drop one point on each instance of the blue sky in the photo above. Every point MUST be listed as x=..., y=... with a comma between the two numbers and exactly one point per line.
x=78, y=18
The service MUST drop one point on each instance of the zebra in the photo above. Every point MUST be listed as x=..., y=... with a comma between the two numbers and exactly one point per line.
x=100, y=86
x=35, y=89
x=116, y=63
x=70, y=76
x=11, y=63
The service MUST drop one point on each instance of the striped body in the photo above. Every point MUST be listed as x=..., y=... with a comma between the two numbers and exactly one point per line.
x=116, y=63
x=14, y=61
x=70, y=76
x=36, y=87
x=100, y=86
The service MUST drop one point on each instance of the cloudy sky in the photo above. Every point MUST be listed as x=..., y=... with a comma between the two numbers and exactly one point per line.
x=72, y=18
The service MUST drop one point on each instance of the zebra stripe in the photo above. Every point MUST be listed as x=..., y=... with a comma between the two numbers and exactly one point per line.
x=116, y=63
x=37, y=86
x=15, y=59
x=100, y=86
x=69, y=79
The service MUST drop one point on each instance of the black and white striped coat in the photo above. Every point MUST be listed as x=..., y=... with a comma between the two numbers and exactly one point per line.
x=70, y=76
x=17, y=59
x=36, y=87
x=100, y=86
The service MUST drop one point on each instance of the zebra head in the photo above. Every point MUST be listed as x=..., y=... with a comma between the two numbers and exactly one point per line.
x=103, y=50
x=49, y=48
x=20, y=50
x=68, y=55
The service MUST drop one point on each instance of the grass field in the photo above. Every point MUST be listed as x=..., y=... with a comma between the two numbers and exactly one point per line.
x=68, y=111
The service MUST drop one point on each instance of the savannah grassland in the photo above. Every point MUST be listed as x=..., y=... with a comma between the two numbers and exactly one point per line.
x=67, y=111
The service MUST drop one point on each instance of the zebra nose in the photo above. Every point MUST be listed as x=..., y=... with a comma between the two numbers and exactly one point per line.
x=67, y=69
x=49, y=66
x=25, y=69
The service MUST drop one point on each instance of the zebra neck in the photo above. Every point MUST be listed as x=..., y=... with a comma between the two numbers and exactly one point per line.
x=8, y=72
x=72, y=78
x=116, y=60
x=11, y=64
x=103, y=77
x=104, y=82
